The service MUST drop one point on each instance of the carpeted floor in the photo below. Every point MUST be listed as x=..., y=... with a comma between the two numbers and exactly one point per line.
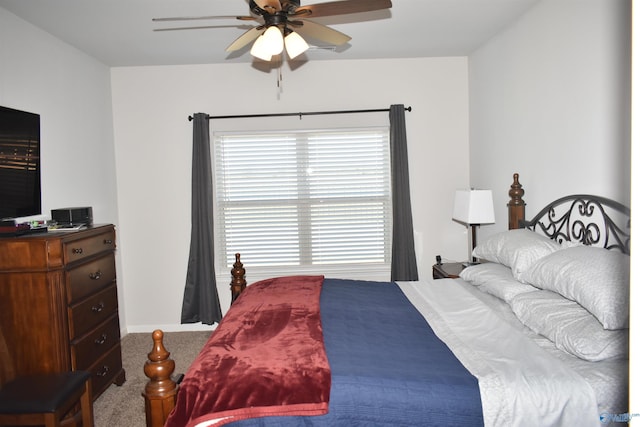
x=124, y=405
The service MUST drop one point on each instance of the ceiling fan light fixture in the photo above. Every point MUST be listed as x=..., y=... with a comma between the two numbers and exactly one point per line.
x=268, y=44
x=273, y=40
x=259, y=49
x=295, y=44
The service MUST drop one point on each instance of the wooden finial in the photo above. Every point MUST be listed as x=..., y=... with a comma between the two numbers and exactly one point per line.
x=160, y=391
x=238, y=282
x=159, y=367
x=516, y=191
x=158, y=353
x=516, y=204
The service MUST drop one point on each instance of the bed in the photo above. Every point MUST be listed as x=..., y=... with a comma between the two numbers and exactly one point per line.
x=536, y=334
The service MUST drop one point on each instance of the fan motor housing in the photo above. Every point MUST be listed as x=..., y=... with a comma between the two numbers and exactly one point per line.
x=288, y=7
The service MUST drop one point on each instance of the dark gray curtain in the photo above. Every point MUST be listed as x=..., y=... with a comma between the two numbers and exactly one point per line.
x=201, y=302
x=403, y=254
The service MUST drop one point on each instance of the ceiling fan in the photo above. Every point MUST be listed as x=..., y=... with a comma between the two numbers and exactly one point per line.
x=284, y=24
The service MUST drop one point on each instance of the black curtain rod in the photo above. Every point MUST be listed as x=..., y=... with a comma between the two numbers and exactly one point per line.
x=314, y=113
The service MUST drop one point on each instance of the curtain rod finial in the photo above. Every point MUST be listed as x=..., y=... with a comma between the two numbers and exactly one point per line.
x=190, y=118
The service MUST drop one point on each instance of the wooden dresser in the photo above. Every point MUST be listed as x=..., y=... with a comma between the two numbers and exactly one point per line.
x=59, y=305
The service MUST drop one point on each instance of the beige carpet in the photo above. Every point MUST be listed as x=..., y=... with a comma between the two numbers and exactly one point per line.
x=124, y=405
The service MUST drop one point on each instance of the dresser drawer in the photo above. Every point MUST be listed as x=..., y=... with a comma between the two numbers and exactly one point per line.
x=87, y=350
x=105, y=370
x=94, y=310
x=85, y=279
x=77, y=250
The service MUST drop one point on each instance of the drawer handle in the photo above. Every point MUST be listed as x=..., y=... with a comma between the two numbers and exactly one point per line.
x=76, y=251
x=101, y=340
x=98, y=308
x=96, y=275
x=108, y=242
x=103, y=372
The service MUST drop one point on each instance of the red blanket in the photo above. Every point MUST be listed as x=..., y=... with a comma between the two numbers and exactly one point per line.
x=266, y=357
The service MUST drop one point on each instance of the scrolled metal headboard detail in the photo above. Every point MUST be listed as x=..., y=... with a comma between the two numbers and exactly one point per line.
x=590, y=220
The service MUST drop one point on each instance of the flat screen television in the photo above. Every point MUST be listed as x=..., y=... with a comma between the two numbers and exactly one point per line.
x=20, y=193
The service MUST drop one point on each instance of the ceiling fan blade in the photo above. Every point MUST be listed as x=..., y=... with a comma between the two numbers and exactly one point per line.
x=269, y=6
x=322, y=32
x=245, y=39
x=204, y=27
x=196, y=18
x=341, y=7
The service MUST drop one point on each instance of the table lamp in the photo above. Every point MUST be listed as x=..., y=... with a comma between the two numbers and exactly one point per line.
x=473, y=208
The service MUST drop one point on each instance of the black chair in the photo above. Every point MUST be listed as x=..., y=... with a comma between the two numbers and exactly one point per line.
x=45, y=399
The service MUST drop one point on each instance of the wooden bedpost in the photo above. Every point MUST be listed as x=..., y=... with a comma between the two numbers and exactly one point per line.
x=516, y=204
x=238, y=282
x=160, y=392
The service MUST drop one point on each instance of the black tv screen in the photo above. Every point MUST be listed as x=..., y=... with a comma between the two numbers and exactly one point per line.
x=19, y=164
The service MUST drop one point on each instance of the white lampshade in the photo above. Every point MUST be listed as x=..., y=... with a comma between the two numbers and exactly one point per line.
x=259, y=50
x=268, y=44
x=295, y=44
x=273, y=40
x=473, y=207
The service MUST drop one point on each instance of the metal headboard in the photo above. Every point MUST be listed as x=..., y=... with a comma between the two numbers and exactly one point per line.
x=590, y=220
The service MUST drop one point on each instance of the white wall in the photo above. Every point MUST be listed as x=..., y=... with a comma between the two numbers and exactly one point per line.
x=153, y=152
x=72, y=93
x=550, y=99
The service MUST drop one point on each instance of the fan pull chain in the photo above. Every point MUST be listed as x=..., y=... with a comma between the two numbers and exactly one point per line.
x=279, y=78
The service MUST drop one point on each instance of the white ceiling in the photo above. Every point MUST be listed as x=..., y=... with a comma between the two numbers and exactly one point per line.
x=120, y=32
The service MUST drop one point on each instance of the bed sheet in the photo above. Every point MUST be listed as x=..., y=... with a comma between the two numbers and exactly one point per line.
x=609, y=379
x=539, y=377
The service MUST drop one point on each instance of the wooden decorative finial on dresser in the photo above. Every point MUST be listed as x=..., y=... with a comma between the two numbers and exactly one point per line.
x=516, y=204
x=238, y=282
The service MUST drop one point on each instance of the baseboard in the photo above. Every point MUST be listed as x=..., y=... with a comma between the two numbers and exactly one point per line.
x=188, y=327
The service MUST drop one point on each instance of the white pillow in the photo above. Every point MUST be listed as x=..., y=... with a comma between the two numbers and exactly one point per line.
x=596, y=278
x=571, y=327
x=516, y=249
x=495, y=279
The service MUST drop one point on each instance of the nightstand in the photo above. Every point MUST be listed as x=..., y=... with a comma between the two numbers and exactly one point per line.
x=446, y=270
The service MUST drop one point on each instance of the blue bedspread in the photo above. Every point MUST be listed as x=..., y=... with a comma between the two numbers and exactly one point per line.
x=387, y=365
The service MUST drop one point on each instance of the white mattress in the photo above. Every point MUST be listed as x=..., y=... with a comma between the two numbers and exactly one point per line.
x=524, y=379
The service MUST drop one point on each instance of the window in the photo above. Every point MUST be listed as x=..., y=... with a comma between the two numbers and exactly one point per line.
x=311, y=201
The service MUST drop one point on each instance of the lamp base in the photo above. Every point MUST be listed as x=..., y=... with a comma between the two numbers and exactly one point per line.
x=472, y=244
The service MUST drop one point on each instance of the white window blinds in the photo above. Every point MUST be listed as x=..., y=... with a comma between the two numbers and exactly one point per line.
x=308, y=200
